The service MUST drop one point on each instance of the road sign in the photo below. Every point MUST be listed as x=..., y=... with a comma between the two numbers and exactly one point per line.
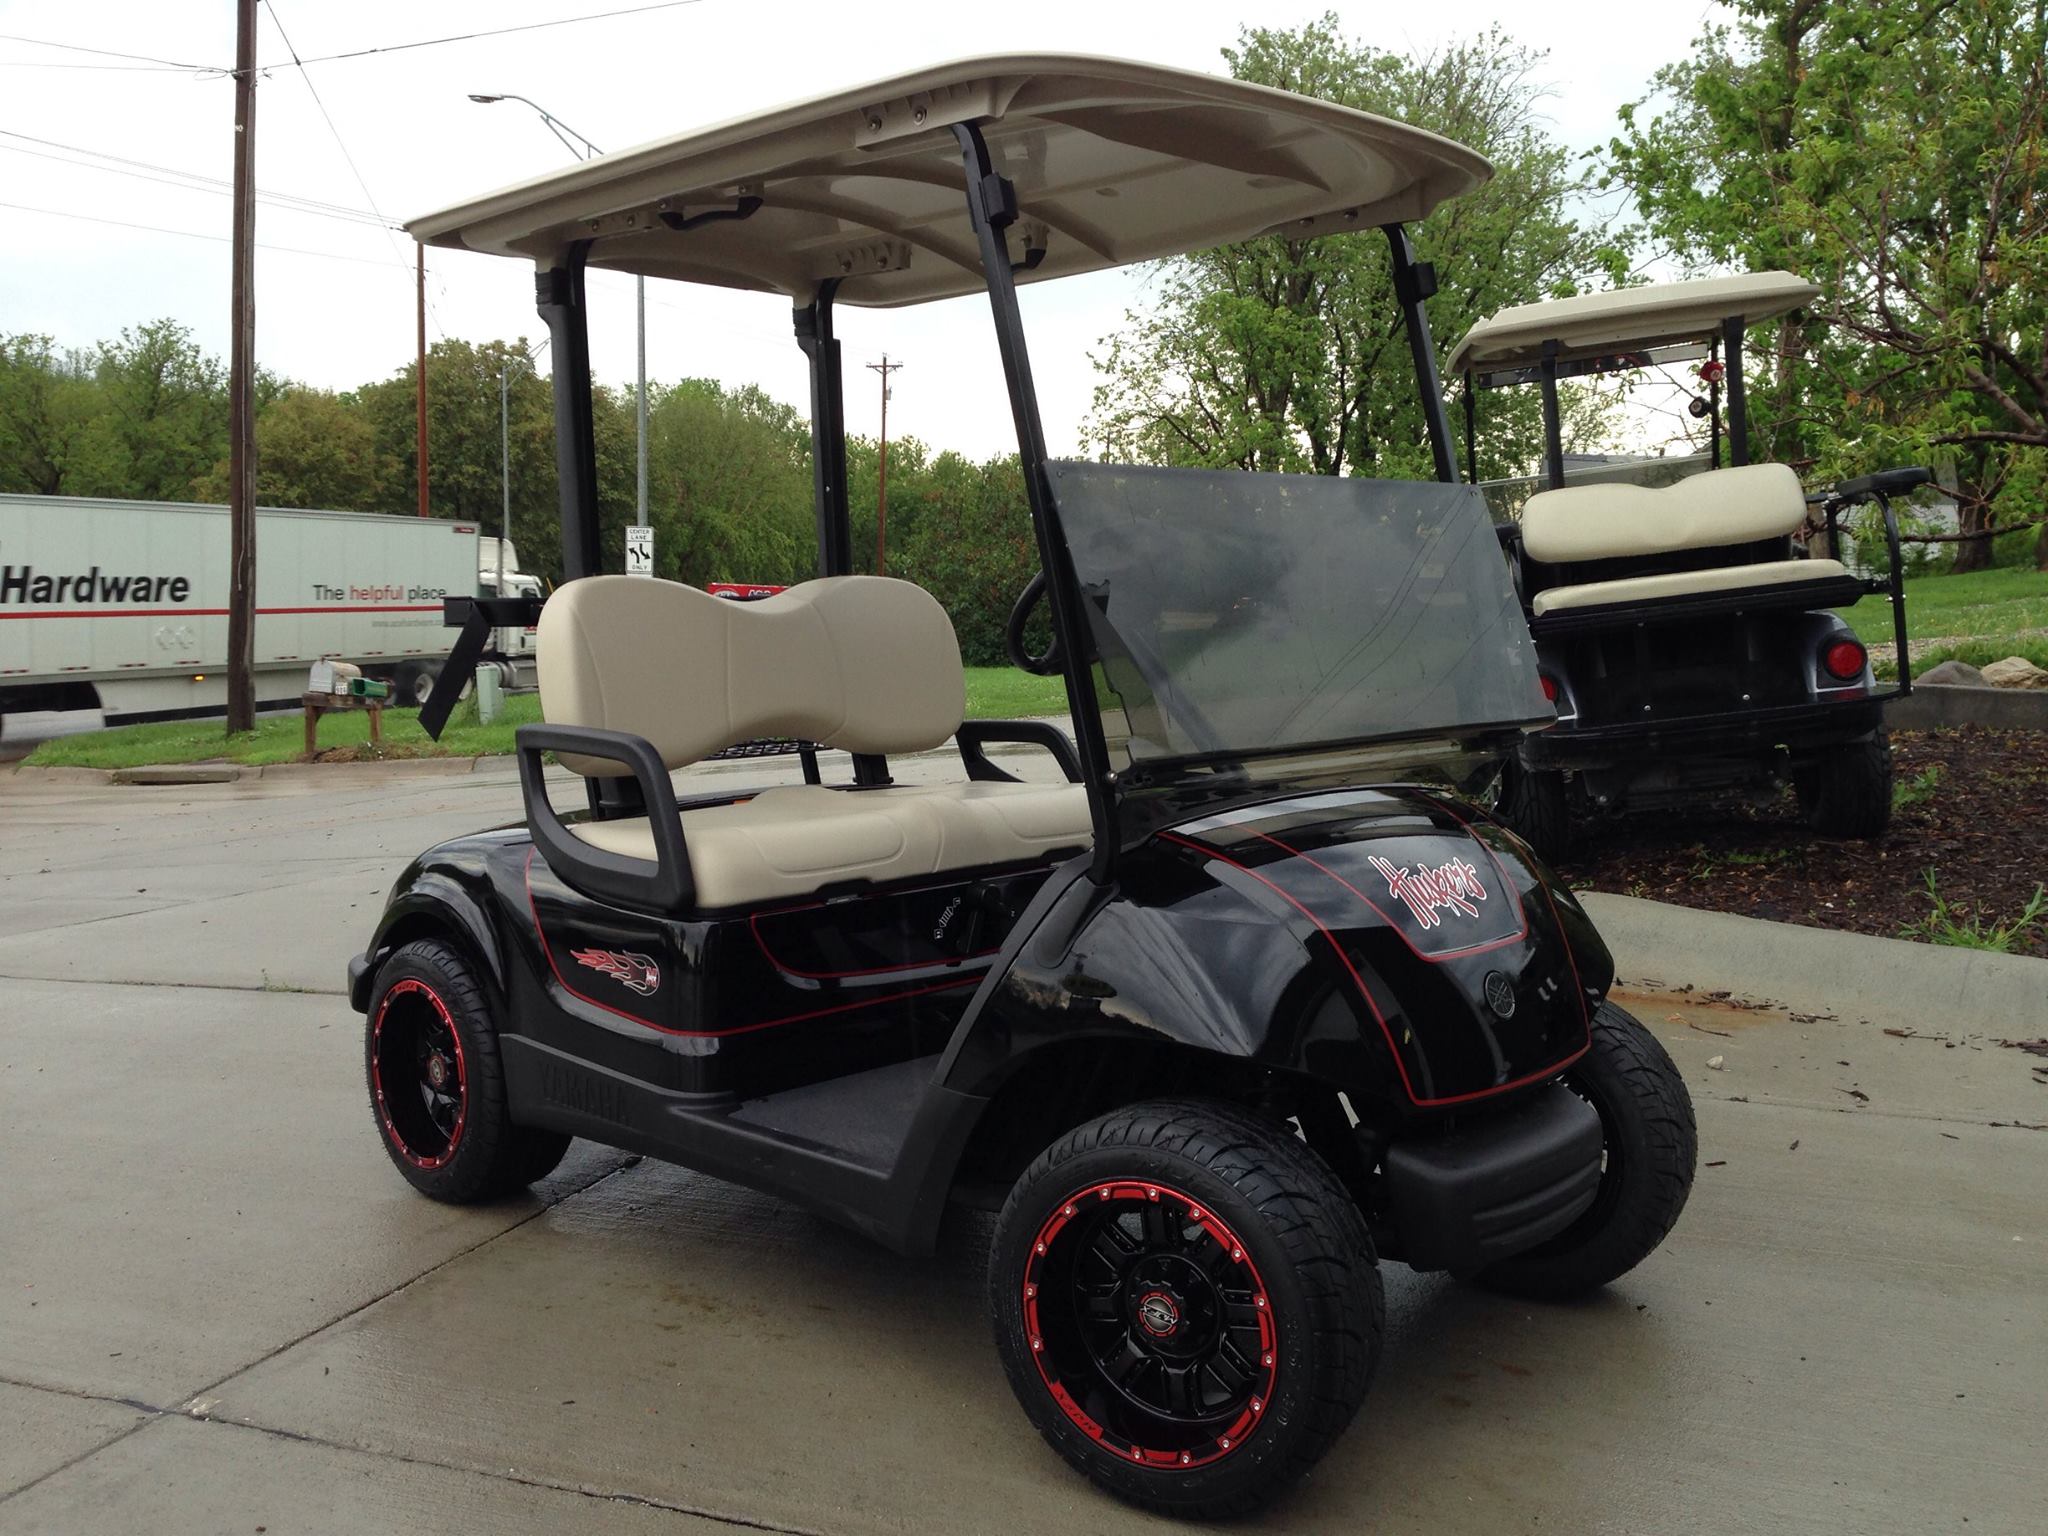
x=639, y=551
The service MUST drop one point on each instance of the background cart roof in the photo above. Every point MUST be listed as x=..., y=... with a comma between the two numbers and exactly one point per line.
x=1113, y=162
x=1657, y=314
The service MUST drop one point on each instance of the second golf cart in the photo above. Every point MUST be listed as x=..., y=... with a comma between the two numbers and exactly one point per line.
x=1241, y=1001
x=1689, y=643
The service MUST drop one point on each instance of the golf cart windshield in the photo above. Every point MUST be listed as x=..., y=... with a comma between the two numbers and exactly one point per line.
x=1238, y=615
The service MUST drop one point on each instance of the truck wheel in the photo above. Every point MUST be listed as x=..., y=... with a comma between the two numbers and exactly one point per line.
x=1534, y=805
x=1847, y=790
x=437, y=1086
x=1651, y=1145
x=415, y=685
x=1187, y=1304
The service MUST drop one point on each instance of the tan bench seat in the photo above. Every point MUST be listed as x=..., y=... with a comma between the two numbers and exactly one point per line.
x=861, y=663
x=790, y=842
x=1725, y=578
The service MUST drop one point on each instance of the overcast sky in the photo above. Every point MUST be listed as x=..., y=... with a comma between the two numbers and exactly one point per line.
x=335, y=297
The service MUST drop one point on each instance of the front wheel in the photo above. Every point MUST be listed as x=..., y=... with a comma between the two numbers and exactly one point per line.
x=1534, y=803
x=437, y=1086
x=1649, y=1147
x=1187, y=1304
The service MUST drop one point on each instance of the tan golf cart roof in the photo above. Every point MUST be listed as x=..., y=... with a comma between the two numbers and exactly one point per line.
x=1655, y=315
x=1113, y=162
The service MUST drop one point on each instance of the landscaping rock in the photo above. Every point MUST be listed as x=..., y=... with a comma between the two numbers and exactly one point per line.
x=1955, y=674
x=2015, y=672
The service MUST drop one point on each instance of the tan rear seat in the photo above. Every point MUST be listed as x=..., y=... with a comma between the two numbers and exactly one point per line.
x=1577, y=524
x=859, y=662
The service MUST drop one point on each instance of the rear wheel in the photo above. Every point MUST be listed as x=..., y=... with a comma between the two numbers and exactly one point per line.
x=1847, y=790
x=1534, y=804
x=1188, y=1306
x=437, y=1085
x=1649, y=1147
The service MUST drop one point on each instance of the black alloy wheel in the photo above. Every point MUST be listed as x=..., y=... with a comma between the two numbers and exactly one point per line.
x=1187, y=1304
x=1150, y=1324
x=437, y=1085
x=416, y=1073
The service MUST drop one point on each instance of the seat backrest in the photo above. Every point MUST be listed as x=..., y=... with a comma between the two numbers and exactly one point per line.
x=864, y=663
x=1742, y=505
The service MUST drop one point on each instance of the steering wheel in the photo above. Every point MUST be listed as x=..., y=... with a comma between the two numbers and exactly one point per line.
x=1051, y=660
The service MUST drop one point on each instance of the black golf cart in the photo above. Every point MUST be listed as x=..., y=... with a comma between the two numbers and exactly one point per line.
x=1686, y=638
x=1247, y=1000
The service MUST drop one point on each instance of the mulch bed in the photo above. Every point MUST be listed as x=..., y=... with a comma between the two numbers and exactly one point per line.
x=1982, y=827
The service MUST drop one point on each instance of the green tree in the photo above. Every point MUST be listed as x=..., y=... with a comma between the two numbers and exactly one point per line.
x=314, y=448
x=163, y=422
x=1895, y=154
x=970, y=545
x=49, y=408
x=729, y=485
x=1282, y=354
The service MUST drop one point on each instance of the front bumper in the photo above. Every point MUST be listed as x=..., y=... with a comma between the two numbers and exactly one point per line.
x=1492, y=1188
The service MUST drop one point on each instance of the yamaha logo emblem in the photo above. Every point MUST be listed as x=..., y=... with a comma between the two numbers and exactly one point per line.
x=1500, y=995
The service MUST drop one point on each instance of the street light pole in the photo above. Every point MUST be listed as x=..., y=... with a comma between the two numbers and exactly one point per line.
x=570, y=139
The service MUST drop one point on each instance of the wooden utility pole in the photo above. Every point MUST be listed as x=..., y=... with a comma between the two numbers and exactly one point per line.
x=884, y=368
x=242, y=388
x=420, y=373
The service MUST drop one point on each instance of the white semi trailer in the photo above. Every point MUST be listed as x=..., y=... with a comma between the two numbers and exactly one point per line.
x=122, y=606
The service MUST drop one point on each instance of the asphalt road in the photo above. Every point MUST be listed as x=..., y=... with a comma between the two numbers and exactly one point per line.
x=221, y=1310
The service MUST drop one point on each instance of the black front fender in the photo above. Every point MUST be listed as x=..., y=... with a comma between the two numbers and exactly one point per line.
x=1379, y=942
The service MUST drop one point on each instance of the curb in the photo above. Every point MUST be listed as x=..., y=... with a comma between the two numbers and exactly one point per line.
x=1893, y=982
x=157, y=775
x=1931, y=706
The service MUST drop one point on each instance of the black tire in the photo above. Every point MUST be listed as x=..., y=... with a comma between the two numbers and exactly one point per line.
x=415, y=687
x=1847, y=790
x=1272, y=1359
x=1533, y=803
x=1652, y=1145
x=437, y=1084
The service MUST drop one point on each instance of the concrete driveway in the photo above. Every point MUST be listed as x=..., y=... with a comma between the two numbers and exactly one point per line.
x=221, y=1310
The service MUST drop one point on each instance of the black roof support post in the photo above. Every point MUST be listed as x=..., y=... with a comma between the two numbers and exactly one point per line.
x=1553, y=424
x=828, y=476
x=1415, y=281
x=1713, y=412
x=828, y=431
x=1471, y=428
x=1738, y=405
x=992, y=204
x=559, y=293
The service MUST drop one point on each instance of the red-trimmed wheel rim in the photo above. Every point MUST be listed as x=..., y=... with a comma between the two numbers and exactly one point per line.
x=1149, y=1324
x=418, y=1075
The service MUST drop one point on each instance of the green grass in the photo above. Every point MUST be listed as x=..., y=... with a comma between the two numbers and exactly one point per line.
x=993, y=693
x=1985, y=615
x=1944, y=925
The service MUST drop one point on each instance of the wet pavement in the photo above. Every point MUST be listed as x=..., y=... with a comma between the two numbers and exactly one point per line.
x=220, y=1308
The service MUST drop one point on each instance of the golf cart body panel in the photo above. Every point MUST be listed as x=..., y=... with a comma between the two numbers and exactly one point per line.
x=1112, y=162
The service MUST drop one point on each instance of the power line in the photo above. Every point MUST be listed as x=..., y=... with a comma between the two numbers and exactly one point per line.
x=280, y=201
x=354, y=170
x=308, y=204
x=106, y=53
x=194, y=234
x=464, y=37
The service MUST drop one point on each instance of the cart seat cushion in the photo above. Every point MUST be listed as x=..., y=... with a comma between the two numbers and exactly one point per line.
x=794, y=841
x=1705, y=511
x=863, y=663
x=1726, y=578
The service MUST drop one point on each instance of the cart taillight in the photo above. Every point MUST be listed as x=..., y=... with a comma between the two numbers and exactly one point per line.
x=1845, y=659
